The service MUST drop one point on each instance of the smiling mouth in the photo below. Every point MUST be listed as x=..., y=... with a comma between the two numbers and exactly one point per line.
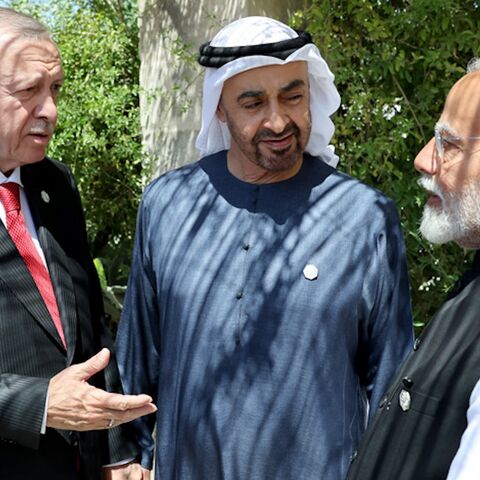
x=278, y=143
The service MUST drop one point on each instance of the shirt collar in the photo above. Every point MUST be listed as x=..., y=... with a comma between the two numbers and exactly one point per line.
x=13, y=177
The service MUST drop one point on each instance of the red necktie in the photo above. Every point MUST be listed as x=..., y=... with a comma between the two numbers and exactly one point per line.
x=10, y=197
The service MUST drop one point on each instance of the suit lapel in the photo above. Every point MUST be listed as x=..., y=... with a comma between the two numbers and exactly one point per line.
x=62, y=285
x=42, y=206
x=17, y=277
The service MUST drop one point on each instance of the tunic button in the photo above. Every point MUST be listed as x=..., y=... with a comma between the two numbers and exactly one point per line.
x=417, y=344
x=239, y=295
x=383, y=401
x=246, y=246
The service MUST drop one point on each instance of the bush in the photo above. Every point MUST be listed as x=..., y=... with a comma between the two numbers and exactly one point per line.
x=98, y=133
x=394, y=63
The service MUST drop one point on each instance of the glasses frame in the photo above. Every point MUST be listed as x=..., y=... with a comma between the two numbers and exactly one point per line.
x=439, y=139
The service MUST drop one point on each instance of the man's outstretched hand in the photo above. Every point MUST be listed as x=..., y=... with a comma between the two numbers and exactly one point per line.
x=130, y=471
x=73, y=404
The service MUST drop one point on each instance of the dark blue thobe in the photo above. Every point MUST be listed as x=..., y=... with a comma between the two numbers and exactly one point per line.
x=262, y=369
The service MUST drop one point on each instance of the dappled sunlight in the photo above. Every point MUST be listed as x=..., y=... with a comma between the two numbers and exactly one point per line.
x=249, y=348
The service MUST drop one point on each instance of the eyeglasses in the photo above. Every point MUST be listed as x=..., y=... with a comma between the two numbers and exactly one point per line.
x=448, y=145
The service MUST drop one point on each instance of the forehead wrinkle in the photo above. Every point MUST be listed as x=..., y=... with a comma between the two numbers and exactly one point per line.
x=50, y=62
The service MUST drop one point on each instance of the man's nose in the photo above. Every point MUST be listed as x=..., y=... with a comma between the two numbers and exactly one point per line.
x=427, y=161
x=277, y=119
x=46, y=108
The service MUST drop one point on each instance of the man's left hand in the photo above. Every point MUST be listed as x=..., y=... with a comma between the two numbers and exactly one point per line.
x=129, y=471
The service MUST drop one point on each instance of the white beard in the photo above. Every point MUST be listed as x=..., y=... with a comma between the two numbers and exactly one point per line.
x=458, y=218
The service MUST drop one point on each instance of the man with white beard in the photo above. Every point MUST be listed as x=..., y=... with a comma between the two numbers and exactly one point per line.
x=428, y=424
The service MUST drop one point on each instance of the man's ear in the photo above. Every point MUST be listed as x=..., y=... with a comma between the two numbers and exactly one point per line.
x=220, y=112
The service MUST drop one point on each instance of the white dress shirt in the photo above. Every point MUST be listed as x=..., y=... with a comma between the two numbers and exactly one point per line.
x=15, y=178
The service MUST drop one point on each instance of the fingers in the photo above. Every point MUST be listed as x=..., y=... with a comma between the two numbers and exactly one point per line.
x=117, y=401
x=116, y=418
x=130, y=471
x=145, y=474
x=87, y=415
x=81, y=372
x=74, y=404
x=93, y=365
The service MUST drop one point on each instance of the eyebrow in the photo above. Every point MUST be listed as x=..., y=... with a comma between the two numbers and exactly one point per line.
x=294, y=84
x=250, y=94
x=258, y=93
x=444, y=127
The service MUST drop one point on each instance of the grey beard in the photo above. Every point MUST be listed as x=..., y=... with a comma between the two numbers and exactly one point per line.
x=457, y=220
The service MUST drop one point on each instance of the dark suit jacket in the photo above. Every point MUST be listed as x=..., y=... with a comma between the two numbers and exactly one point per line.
x=30, y=348
x=420, y=422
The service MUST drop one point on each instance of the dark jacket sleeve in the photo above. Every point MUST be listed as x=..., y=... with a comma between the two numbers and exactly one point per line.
x=121, y=444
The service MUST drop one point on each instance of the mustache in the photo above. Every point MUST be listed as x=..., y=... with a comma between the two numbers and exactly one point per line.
x=267, y=134
x=41, y=127
x=428, y=183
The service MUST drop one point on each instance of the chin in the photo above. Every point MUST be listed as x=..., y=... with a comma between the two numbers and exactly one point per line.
x=278, y=161
x=440, y=227
x=436, y=225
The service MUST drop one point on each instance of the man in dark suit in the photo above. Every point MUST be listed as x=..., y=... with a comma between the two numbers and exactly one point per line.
x=427, y=426
x=58, y=419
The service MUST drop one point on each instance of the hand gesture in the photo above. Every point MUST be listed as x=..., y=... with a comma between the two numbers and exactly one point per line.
x=130, y=471
x=73, y=404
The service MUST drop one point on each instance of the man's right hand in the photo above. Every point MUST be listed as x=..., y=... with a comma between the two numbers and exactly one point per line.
x=130, y=471
x=73, y=404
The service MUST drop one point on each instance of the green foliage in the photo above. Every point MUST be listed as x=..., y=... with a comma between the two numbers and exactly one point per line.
x=98, y=132
x=394, y=62
x=100, y=272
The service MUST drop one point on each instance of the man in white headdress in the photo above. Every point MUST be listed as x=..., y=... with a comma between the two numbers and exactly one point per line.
x=268, y=299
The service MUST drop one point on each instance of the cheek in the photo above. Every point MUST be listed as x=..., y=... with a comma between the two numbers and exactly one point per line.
x=307, y=118
x=453, y=178
x=19, y=118
x=302, y=118
x=247, y=129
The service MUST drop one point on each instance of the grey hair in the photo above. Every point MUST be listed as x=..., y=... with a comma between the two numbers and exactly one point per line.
x=21, y=24
x=473, y=65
